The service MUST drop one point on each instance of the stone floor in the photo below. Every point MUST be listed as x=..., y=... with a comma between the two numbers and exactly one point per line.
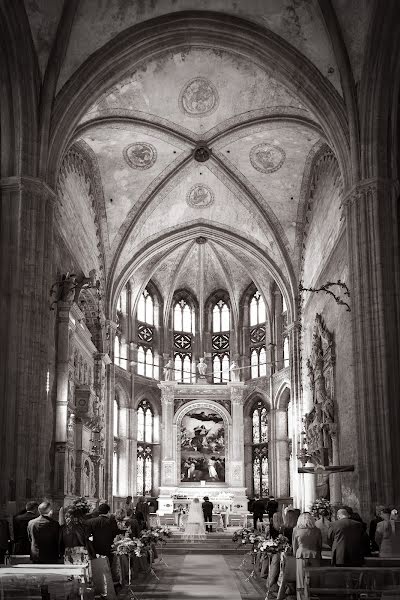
x=194, y=576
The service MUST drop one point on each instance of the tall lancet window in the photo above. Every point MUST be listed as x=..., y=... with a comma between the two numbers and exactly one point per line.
x=258, y=355
x=184, y=328
x=116, y=453
x=285, y=337
x=221, y=322
x=260, y=449
x=147, y=357
x=145, y=437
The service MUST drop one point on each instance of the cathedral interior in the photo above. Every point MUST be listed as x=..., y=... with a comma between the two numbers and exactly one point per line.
x=200, y=251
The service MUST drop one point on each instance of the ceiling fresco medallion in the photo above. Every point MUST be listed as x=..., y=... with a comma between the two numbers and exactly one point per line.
x=266, y=158
x=140, y=155
x=200, y=196
x=199, y=97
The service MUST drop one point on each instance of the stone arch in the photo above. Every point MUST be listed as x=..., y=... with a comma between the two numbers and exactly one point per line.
x=151, y=398
x=282, y=396
x=121, y=394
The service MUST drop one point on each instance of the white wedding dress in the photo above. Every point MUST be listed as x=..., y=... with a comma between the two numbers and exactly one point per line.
x=195, y=528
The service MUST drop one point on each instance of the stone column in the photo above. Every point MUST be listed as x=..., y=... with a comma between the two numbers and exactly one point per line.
x=297, y=408
x=371, y=214
x=167, y=446
x=236, y=467
x=278, y=306
x=26, y=247
x=109, y=413
x=282, y=456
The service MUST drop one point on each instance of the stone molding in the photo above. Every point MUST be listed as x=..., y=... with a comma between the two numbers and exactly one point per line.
x=29, y=184
x=369, y=186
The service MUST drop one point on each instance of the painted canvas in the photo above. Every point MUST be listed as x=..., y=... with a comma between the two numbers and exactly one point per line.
x=202, y=446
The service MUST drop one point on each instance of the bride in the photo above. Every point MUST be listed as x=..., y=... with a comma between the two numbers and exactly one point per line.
x=195, y=527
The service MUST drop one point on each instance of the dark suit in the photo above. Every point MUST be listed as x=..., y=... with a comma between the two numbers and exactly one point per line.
x=272, y=508
x=142, y=512
x=258, y=511
x=44, y=533
x=22, y=544
x=104, y=529
x=348, y=541
x=207, y=507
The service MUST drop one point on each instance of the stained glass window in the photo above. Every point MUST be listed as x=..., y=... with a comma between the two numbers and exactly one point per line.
x=220, y=368
x=183, y=317
x=221, y=317
x=184, y=367
x=260, y=449
x=145, y=436
x=258, y=357
x=147, y=362
x=145, y=311
x=257, y=309
x=285, y=351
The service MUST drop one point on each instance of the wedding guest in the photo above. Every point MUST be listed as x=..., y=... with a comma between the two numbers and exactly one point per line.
x=290, y=519
x=348, y=540
x=134, y=526
x=5, y=535
x=307, y=546
x=385, y=536
x=277, y=525
x=207, y=507
x=372, y=527
x=142, y=511
x=104, y=529
x=22, y=544
x=120, y=517
x=74, y=538
x=44, y=533
x=272, y=507
x=323, y=525
x=258, y=510
x=128, y=503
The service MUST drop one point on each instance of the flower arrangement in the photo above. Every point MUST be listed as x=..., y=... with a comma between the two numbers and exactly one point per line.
x=276, y=546
x=321, y=507
x=78, y=508
x=247, y=536
x=124, y=545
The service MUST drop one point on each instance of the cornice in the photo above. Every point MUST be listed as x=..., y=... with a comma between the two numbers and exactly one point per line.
x=370, y=185
x=27, y=184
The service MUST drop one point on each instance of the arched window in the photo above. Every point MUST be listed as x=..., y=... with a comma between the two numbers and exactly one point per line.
x=116, y=453
x=184, y=328
x=145, y=437
x=220, y=341
x=285, y=351
x=117, y=349
x=257, y=317
x=260, y=449
x=147, y=358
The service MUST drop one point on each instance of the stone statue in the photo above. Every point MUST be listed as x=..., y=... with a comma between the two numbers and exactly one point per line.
x=86, y=282
x=67, y=288
x=168, y=371
x=202, y=368
x=86, y=480
x=235, y=372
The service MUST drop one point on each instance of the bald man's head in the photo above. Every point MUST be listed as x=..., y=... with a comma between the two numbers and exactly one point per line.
x=342, y=514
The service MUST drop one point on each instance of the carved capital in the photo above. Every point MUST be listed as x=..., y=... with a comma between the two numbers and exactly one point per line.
x=368, y=189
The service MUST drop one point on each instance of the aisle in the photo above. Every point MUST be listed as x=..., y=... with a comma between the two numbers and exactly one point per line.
x=203, y=576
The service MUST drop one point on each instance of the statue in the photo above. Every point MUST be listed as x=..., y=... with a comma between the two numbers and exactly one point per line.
x=86, y=480
x=168, y=371
x=202, y=368
x=235, y=372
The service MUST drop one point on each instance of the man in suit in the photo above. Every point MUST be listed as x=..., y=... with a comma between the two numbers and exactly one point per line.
x=104, y=528
x=207, y=507
x=348, y=540
x=272, y=507
x=258, y=510
x=22, y=544
x=44, y=533
x=142, y=511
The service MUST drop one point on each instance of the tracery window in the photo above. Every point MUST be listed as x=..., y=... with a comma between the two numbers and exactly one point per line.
x=145, y=437
x=258, y=356
x=147, y=357
x=260, y=449
x=220, y=341
x=184, y=328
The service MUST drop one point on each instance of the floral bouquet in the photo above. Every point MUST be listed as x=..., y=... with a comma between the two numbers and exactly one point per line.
x=276, y=546
x=321, y=507
x=124, y=545
x=78, y=508
x=247, y=536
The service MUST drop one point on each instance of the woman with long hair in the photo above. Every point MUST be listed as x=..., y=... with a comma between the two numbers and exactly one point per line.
x=195, y=528
x=385, y=535
x=307, y=546
x=74, y=538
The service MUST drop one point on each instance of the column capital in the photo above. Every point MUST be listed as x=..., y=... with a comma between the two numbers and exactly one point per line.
x=167, y=391
x=33, y=185
x=237, y=391
x=369, y=186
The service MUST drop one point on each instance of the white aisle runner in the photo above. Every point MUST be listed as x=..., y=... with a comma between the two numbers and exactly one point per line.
x=205, y=576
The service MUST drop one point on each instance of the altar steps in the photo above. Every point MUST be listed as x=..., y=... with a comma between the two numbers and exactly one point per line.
x=216, y=543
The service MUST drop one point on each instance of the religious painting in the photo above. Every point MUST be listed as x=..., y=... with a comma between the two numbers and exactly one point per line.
x=202, y=446
x=140, y=155
x=199, y=97
x=200, y=196
x=267, y=158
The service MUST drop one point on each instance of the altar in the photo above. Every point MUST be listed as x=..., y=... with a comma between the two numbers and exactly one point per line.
x=202, y=446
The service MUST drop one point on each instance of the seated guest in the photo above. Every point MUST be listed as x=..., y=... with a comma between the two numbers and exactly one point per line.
x=385, y=535
x=22, y=544
x=348, y=540
x=104, y=528
x=290, y=519
x=307, y=546
x=277, y=525
x=44, y=533
x=372, y=527
x=74, y=542
x=323, y=525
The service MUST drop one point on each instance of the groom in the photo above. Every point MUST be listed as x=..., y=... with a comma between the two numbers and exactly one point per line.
x=207, y=507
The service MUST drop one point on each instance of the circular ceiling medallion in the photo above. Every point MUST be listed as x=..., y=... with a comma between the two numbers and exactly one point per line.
x=199, y=97
x=200, y=196
x=140, y=155
x=267, y=158
x=202, y=153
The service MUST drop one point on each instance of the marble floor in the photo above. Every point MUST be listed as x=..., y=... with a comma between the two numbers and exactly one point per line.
x=198, y=576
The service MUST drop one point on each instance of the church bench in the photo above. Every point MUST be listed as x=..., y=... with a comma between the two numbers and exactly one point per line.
x=359, y=582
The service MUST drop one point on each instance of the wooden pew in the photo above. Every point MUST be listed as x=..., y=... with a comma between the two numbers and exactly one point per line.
x=373, y=583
